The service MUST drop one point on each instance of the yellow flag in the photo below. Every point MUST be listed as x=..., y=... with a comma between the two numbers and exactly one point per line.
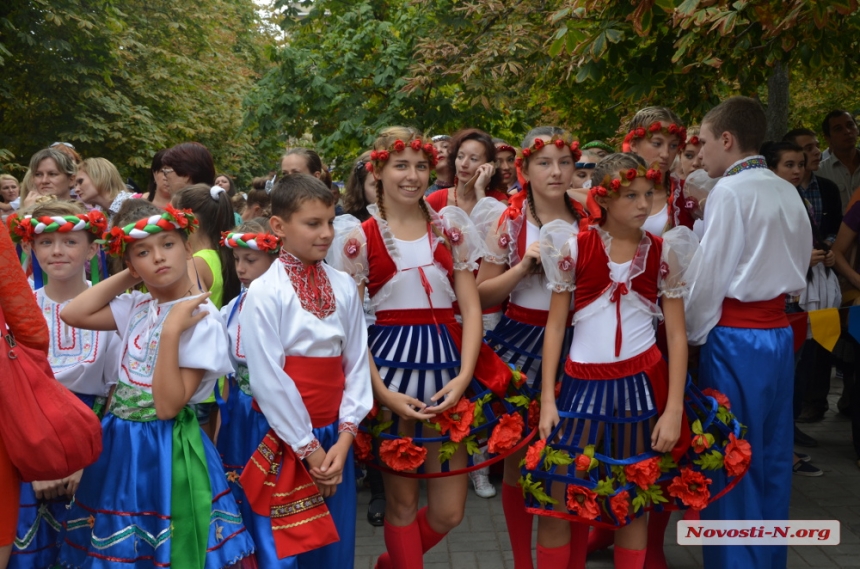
x=825, y=327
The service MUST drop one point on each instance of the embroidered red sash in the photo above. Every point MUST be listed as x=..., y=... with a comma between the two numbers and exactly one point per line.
x=275, y=480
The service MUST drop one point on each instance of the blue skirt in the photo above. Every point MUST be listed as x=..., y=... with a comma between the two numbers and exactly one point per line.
x=122, y=510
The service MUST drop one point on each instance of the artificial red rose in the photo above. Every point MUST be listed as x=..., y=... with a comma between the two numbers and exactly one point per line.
x=504, y=240
x=457, y=419
x=615, y=185
x=431, y=150
x=721, y=398
x=673, y=129
x=656, y=126
x=384, y=155
x=533, y=455
x=507, y=433
x=738, y=456
x=694, y=140
x=374, y=155
x=559, y=143
x=640, y=132
x=526, y=152
x=368, y=166
x=415, y=145
x=631, y=174
x=534, y=415
x=582, y=463
x=691, y=487
x=600, y=191
x=643, y=473
x=352, y=248
x=538, y=143
x=267, y=242
x=98, y=222
x=566, y=263
x=363, y=447
x=401, y=455
x=454, y=235
x=115, y=240
x=700, y=443
x=620, y=505
x=582, y=502
x=654, y=175
x=629, y=136
x=399, y=145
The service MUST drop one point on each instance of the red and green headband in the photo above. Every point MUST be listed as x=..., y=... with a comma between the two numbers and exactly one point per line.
x=416, y=144
x=264, y=242
x=25, y=228
x=116, y=240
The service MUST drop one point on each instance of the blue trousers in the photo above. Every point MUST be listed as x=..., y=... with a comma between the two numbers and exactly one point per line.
x=755, y=369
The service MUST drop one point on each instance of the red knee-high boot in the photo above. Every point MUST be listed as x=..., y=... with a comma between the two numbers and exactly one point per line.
x=519, y=526
x=629, y=558
x=599, y=538
x=429, y=539
x=404, y=546
x=578, y=545
x=657, y=524
x=552, y=558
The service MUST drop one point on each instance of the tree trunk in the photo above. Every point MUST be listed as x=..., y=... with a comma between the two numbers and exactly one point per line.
x=777, y=102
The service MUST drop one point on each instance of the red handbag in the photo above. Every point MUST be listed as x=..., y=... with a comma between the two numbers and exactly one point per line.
x=49, y=433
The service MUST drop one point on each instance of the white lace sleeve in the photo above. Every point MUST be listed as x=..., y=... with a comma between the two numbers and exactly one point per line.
x=679, y=246
x=558, y=253
x=485, y=215
x=348, y=252
x=467, y=247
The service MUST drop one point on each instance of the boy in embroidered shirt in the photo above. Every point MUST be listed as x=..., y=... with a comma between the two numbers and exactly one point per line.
x=755, y=249
x=306, y=349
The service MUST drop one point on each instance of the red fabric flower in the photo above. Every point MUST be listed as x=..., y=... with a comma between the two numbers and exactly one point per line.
x=399, y=146
x=565, y=264
x=538, y=143
x=384, y=155
x=700, y=443
x=653, y=175
x=620, y=505
x=267, y=242
x=179, y=216
x=629, y=136
x=694, y=140
x=351, y=248
x=600, y=191
x=363, y=447
x=738, y=456
x=507, y=433
x=655, y=126
x=454, y=235
x=518, y=162
x=115, y=239
x=639, y=132
x=368, y=166
x=457, y=419
x=559, y=143
x=21, y=229
x=673, y=129
x=582, y=463
x=721, y=398
x=533, y=455
x=582, y=502
x=98, y=222
x=401, y=455
x=415, y=145
x=527, y=152
x=374, y=155
x=615, y=185
x=691, y=487
x=534, y=414
x=504, y=240
x=643, y=473
x=574, y=149
x=631, y=174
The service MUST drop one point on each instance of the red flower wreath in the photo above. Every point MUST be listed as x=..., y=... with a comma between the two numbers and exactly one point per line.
x=415, y=145
x=20, y=228
x=401, y=455
x=601, y=191
x=98, y=222
x=267, y=242
x=559, y=143
x=538, y=143
x=457, y=419
x=533, y=454
x=657, y=126
x=507, y=433
x=527, y=152
x=363, y=447
x=643, y=473
x=631, y=174
x=115, y=240
x=582, y=502
x=738, y=456
x=694, y=140
x=691, y=487
x=399, y=146
x=615, y=185
x=368, y=166
x=620, y=505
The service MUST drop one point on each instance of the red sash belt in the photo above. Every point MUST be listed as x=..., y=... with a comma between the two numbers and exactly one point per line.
x=490, y=370
x=275, y=480
x=761, y=314
x=652, y=364
x=531, y=316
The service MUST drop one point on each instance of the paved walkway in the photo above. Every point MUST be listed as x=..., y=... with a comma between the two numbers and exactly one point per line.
x=481, y=541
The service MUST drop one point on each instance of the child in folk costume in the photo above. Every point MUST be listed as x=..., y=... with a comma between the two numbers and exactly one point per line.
x=511, y=272
x=440, y=389
x=612, y=441
x=242, y=428
x=62, y=237
x=756, y=249
x=157, y=496
x=305, y=342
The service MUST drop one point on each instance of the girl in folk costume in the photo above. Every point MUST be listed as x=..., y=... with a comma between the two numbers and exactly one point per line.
x=511, y=272
x=306, y=345
x=658, y=135
x=616, y=442
x=254, y=249
x=472, y=159
x=62, y=237
x=157, y=497
x=441, y=391
x=688, y=157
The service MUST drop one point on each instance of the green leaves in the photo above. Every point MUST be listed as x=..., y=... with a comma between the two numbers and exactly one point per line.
x=535, y=489
x=447, y=450
x=710, y=461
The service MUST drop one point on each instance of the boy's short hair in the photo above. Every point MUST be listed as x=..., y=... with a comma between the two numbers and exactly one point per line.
x=791, y=136
x=825, y=126
x=743, y=117
x=292, y=190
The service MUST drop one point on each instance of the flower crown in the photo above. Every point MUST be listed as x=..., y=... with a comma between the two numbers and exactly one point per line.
x=416, y=144
x=115, y=241
x=505, y=147
x=558, y=140
x=655, y=127
x=26, y=227
x=613, y=184
x=265, y=242
x=694, y=140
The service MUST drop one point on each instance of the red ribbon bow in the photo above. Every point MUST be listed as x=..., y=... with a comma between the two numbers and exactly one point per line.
x=620, y=290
